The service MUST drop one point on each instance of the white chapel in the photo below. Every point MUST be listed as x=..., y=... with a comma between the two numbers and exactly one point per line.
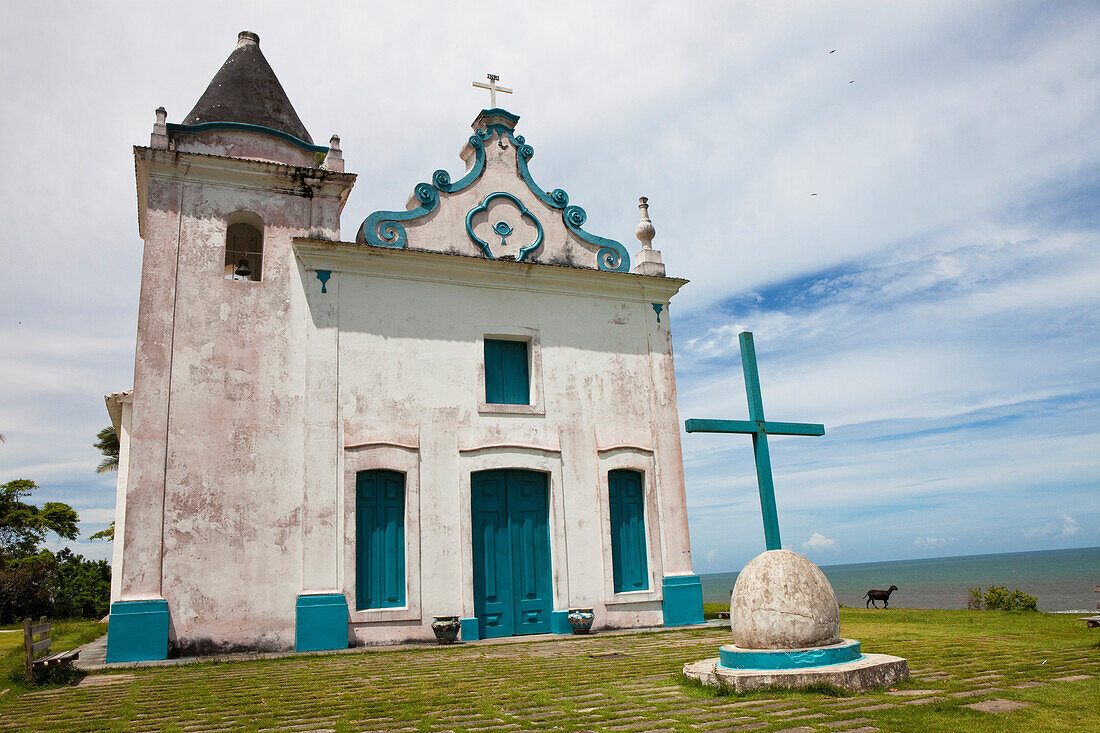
x=469, y=410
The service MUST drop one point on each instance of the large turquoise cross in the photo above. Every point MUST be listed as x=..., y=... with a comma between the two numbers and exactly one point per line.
x=759, y=429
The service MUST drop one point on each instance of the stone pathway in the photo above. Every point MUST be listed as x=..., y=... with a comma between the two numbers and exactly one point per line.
x=608, y=682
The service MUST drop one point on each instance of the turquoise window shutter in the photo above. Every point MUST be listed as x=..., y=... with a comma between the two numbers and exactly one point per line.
x=507, y=378
x=379, y=539
x=626, y=495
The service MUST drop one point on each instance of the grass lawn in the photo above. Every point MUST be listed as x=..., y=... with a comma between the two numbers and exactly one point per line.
x=604, y=682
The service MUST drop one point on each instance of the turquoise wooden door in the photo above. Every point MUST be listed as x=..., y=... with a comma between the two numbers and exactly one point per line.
x=511, y=549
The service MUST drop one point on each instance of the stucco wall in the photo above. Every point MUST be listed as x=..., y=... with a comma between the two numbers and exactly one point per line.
x=410, y=397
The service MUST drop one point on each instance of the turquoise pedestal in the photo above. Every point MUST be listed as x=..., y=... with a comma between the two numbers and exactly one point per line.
x=733, y=657
x=559, y=622
x=469, y=630
x=321, y=622
x=137, y=631
x=683, y=600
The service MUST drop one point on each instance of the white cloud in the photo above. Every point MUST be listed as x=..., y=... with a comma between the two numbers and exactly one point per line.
x=1069, y=525
x=931, y=542
x=1065, y=526
x=818, y=542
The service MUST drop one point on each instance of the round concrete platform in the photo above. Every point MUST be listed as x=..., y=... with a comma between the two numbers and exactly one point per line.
x=865, y=673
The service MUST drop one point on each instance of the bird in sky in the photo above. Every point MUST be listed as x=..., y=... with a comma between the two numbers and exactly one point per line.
x=833, y=51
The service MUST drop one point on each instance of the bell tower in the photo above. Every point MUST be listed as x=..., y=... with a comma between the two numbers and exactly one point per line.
x=220, y=376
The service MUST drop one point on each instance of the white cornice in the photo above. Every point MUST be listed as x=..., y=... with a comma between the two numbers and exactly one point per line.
x=238, y=173
x=217, y=170
x=399, y=264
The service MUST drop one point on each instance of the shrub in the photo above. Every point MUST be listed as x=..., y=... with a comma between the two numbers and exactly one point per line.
x=1000, y=598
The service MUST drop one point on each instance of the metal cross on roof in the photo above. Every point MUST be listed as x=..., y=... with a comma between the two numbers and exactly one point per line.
x=759, y=429
x=493, y=88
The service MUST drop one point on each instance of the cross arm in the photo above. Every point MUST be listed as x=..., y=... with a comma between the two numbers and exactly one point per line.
x=696, y=425
x=793, y=428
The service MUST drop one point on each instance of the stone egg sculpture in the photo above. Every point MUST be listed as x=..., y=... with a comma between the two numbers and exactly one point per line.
x=781, y=600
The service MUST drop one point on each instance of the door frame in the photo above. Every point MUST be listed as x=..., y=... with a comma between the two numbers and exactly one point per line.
x=545, y=460
x=387, y=456
x=635, y=459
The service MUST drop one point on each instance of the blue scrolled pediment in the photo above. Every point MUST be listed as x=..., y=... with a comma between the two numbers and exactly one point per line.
x=386, y=228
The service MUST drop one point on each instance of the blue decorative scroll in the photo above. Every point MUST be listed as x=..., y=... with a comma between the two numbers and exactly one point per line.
x=501, y=227
x=611, y=255
x=384, y=228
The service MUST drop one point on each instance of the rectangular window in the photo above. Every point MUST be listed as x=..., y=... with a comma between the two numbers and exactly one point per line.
x=379, y=539
x=507, y=380
x=626, y=497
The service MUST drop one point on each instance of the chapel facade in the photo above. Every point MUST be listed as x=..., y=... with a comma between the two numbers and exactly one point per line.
x=469, y=411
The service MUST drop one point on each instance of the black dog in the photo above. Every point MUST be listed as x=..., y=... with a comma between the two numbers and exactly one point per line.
x=879, y=595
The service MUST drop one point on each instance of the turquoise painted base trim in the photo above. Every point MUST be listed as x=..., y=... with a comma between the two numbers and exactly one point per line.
x=559, y=622
x=683, y=600
x=137, y=631
x=321, y=622
x=469, y=629
x=732, y=657
x=297, y=142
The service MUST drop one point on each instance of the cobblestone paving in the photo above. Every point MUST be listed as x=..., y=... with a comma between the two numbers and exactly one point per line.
x=600, y=683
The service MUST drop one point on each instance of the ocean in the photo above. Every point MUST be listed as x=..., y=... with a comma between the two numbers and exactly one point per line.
x=1062, y=580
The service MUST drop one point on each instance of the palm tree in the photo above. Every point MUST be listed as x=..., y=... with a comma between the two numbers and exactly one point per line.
x=107, y=443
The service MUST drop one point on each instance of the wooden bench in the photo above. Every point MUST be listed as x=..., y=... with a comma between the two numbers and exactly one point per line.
x=32, y=647
x=1092, y=621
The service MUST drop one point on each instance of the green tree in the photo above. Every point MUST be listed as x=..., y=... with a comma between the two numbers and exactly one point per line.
x=83, y=587
x=34, y=581
x=24, y=526
x=27, y=586
x=107, y=444
x=104, y=534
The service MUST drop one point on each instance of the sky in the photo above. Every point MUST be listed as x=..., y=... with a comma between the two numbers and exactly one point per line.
x=900, y=201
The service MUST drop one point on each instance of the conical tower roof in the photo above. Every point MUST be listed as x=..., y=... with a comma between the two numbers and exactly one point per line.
x=245, y=89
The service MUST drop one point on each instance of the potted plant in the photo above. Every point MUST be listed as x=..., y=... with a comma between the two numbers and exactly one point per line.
x=446, y=629
x=581, y=619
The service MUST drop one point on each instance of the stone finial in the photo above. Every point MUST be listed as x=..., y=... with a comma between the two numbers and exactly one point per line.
x=247, y=37
x=334, y=160
x=159, y=138
x=644, y=231
x=648, y=261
